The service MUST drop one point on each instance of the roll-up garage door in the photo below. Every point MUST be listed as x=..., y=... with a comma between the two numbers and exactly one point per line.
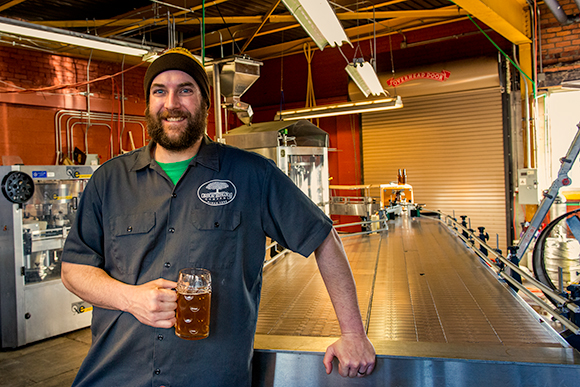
x=452, y=148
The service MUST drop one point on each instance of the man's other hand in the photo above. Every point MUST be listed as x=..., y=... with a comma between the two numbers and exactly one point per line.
x=355, y=353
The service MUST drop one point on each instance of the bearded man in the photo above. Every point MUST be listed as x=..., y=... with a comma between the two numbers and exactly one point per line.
x=142, y=218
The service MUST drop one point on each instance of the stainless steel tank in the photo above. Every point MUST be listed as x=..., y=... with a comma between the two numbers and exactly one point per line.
x=299, y=149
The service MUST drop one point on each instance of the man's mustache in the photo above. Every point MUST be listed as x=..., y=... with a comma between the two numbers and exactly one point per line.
x=174, y=113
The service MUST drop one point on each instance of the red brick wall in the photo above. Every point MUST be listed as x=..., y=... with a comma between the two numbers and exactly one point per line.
x=27, y=121
x=560, y=44
x=34, y=69
x=27, y=116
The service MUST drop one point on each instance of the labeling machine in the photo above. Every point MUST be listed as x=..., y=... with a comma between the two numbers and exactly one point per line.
x=37, y=207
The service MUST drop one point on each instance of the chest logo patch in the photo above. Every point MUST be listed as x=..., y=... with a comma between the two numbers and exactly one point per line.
x=217, y=192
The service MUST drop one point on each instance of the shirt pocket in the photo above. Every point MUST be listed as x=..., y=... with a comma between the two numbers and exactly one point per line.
x=215, y=239
x=132, y=238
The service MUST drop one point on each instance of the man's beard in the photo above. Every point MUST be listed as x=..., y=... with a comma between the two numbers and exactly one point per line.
x=193, y=131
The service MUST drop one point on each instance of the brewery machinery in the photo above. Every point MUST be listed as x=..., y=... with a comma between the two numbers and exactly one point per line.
x=299, y=148
x=37, y=208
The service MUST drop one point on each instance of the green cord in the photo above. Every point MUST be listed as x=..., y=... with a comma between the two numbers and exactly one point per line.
x=504, y=54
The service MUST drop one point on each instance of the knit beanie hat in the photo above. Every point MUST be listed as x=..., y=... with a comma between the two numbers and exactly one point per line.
x=178, y=59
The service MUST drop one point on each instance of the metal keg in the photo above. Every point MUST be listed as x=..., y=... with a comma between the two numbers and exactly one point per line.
x=565, y=253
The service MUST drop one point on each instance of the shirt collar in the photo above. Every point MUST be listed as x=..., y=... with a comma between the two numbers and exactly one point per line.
x=207, y=155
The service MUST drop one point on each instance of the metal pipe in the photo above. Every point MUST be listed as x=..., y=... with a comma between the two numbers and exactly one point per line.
x=77, y=114
x=558, y=12
x=169, y=41
x=122, y=106
x=233, y=36
x=361, y=233
x=69, y=134
x=88, y=102
x=57, y=137
x=541, y=64
x=575, y=18
x=217, y=102
x=564, y=321
x=87, y=131
x=374, y=40
x=360, y=223
x=528, y=127
x=171, y=5
x=385, y=228
x=221, y=44
x=275, y=258
x=268, y=247
x=97, y=116
x=567, y=323
x=573, y=307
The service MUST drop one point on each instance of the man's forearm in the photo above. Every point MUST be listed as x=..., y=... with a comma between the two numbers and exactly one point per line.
x=355, y=353
x=94, y=285
x=337, y=275
x=152, y=303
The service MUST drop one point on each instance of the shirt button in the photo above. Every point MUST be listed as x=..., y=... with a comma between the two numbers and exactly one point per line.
x=129, y=229
x=157, y=371
x=216, y=224
x=174, y=195
x=172, y=230
x=159, y=337
x=167, y=264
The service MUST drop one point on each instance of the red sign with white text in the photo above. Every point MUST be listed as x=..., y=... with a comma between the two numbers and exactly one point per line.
x=441, y=77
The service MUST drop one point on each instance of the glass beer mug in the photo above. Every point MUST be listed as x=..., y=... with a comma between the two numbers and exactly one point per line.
x=193, y=304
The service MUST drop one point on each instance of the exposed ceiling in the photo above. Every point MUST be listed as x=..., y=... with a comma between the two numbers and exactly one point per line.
x=261, y=29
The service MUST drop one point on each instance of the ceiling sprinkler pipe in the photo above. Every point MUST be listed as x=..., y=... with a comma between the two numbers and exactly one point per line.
x=558, y=12
x=576, y=18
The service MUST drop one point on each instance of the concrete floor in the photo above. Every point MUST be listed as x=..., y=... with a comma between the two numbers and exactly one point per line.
x=49, y=363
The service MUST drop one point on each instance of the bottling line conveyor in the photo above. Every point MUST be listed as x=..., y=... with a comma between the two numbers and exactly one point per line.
x=435, y=312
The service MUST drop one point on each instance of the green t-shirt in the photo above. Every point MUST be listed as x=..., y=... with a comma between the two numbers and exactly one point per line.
x=175, y=170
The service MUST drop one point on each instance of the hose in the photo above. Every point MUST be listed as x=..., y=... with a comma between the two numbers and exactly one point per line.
x=538, y=261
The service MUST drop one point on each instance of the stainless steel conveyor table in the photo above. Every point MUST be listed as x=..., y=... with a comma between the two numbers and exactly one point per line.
x=435, y=313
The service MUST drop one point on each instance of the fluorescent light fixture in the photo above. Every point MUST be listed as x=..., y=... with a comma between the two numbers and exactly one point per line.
x=366, y=79
x=319, y=21
x=16, y=27
x=340, y=109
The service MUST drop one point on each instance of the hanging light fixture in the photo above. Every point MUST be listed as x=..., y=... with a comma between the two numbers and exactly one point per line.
x=365, y=77
x=319, y=21
x=340, y=109
x=19, y=28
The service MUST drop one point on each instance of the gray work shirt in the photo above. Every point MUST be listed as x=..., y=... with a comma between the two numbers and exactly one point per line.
x=138, y=226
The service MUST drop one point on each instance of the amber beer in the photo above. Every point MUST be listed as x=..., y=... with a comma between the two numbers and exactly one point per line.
x=193, y=315
x=193, y=304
